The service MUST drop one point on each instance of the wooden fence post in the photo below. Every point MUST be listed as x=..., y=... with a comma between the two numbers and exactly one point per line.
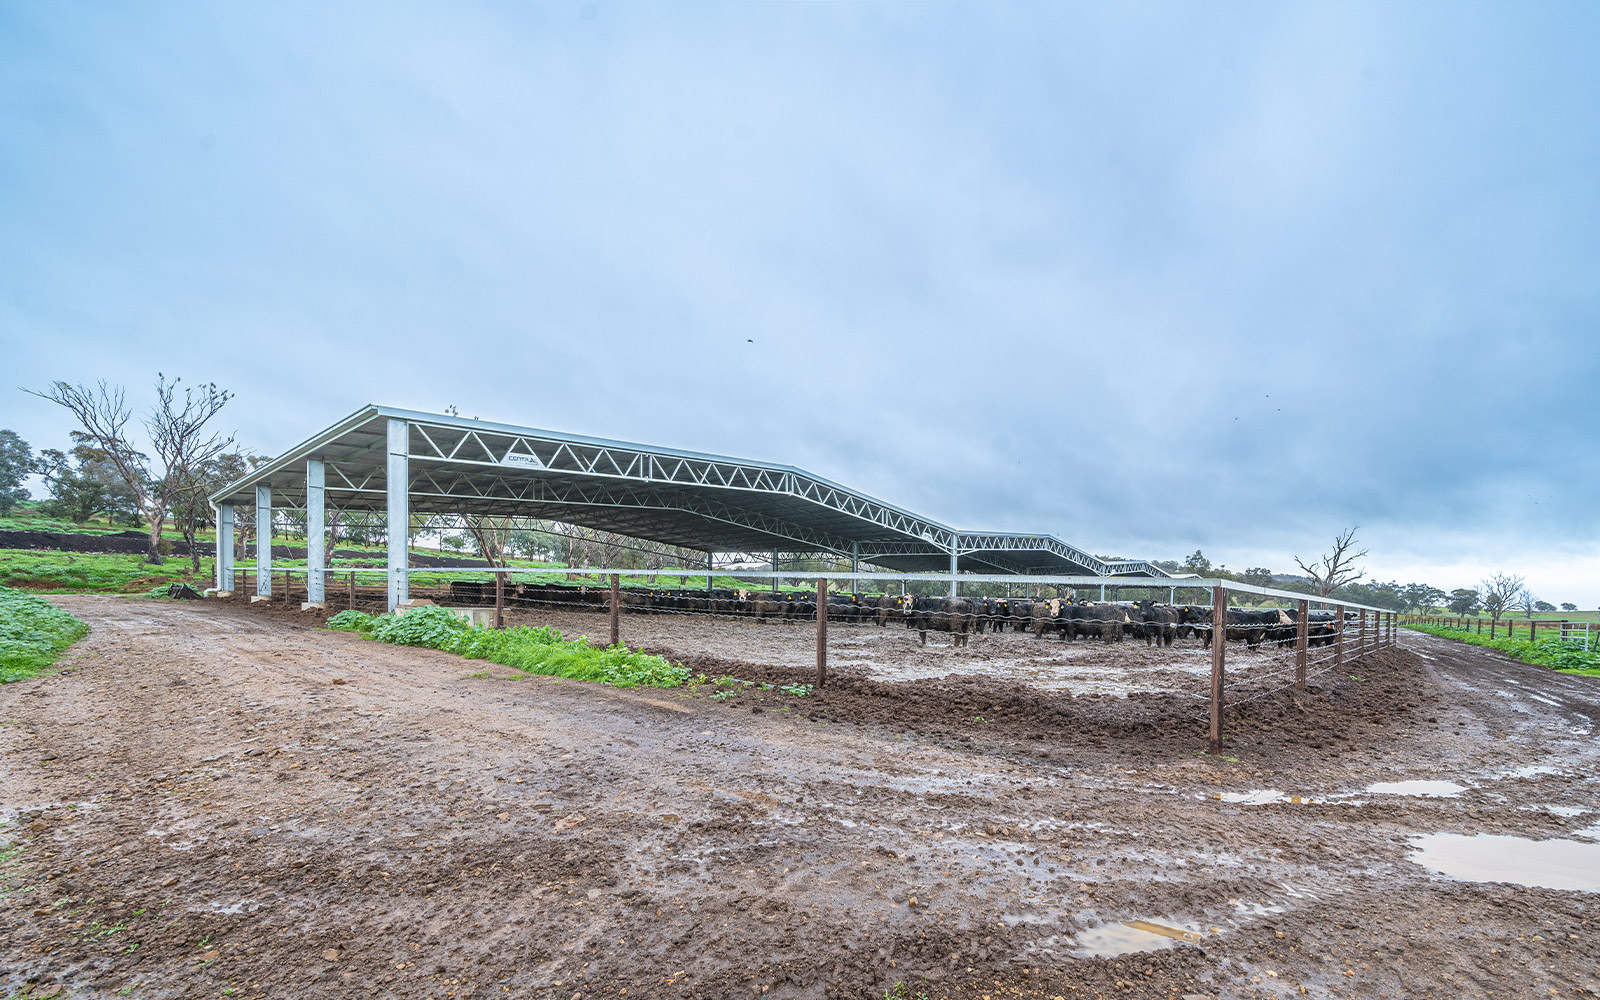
x=822, y=632
x=616, y=609
x=1301, y=636
x=285, y=586
x=352, y=591
x=1219, y=638
x=499, y=600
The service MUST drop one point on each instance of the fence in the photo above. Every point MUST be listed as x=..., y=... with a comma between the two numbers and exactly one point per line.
x=1329, y=639
x=1577, y=633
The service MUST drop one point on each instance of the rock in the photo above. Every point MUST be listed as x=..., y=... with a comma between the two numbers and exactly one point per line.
x=169, y=881
x=569, y=821
x=331, y=954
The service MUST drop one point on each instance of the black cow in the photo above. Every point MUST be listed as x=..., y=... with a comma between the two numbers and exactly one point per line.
x=1158, y=623
x=942, y=614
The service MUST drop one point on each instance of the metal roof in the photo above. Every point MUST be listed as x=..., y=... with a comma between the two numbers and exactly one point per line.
x=711, y=502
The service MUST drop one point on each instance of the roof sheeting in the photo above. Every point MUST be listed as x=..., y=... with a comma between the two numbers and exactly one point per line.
x=689, y=499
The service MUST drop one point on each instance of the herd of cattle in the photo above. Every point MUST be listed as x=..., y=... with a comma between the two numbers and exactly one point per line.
x=1157, y=624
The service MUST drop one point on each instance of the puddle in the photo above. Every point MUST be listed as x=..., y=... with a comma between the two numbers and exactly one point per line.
x=1129, y=936
x=1264, y=797
x=1546, y=864
x=1533, y=771
x=1428, y=789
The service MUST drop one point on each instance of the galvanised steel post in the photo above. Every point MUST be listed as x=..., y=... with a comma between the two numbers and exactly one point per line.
x=397, y=475
x=1302, y=632
x=774, y=571
x=225, y=548
x=855, y=567
x=316, y=552
x=709, y=556
x=263, y=541
x=955, y=587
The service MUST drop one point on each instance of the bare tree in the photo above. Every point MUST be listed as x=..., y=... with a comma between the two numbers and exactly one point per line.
x=1500, y=594
x=490, y=537
x=177, y=435
x=1337, y=568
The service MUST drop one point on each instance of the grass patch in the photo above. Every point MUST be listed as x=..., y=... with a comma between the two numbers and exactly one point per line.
x=33, y=632
x=531, y=650
x=1566, y=657
x=95, y=572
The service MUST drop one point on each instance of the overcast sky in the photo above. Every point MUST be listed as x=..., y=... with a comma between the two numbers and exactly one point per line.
x=1150, y=277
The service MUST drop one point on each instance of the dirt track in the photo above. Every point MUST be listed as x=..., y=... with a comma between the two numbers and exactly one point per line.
x=216, y=799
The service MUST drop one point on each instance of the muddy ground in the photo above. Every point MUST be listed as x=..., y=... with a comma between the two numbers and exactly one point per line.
x=212, y=800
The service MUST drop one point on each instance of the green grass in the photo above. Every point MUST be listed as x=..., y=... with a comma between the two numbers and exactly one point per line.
x=33, y=632
x=530, y=650
x=95, y=572
x=1567, y=657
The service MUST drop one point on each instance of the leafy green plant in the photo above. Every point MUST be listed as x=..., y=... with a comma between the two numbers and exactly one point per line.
x=798, y=690
x=531, y=650
x=724, y=695
x=33, y=632
x=351, y=621
x=1548, y=652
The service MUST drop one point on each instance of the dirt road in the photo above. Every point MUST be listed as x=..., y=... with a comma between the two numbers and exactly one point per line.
x=216, y=802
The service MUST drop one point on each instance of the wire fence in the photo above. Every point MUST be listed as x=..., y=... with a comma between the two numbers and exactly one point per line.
x=1578, y=633
x=1218, y=653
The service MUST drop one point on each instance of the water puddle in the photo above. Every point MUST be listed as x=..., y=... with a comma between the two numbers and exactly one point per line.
x=1428, y=789
x=1264, y=797
x=1129, y=936
x=1546, y=864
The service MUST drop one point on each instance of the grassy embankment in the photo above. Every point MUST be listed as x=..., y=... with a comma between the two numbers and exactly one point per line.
x=1566, y=657
x=33, y=632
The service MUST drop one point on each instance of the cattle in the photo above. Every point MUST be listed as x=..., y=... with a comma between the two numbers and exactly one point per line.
x=1158, y=623
x=942, y=614
x=1045, y=616
x=890, y=607
x=1108, y=622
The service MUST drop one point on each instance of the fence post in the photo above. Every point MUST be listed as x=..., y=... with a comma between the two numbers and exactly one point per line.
x=499, y=600
x=1338, y=639
x=285, y=586
x=1361, y=634
x=352, y=591
x=616, y=609
x=822, y=632
x=1219, y=638
x=1301, y=634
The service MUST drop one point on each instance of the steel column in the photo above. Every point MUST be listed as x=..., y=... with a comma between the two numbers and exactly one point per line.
x=955, y=586
x=1219, y=639
x=774, y=571
x=263, y=541
x=225, y=548
x=398, y=486
x=709, y=568
x=316, y=550
x=855, y=567
x=1302, y=633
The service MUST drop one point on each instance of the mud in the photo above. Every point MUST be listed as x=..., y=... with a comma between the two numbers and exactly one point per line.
x=214, y=798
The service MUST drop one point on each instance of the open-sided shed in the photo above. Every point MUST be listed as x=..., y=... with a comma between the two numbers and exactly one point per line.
x=404, y=462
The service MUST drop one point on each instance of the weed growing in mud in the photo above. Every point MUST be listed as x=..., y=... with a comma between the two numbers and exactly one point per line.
x=531, y=650
x=900, y=992
x=1549, y=652
x=351, y=621
x=724, y=695
x=33, y=632
x=798, y=690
